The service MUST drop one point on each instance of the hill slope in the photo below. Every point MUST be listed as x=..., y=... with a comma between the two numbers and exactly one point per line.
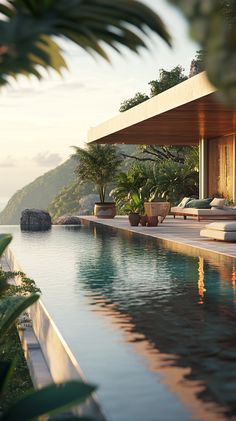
x=39, y=193
x=57, y=191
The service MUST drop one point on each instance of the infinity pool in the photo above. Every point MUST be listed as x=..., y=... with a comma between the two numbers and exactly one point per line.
x=153, y=328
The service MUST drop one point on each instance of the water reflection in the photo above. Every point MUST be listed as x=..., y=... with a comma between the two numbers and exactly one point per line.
x=179, y=311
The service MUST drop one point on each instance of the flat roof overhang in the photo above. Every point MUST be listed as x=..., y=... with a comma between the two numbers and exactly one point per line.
x=181, y=115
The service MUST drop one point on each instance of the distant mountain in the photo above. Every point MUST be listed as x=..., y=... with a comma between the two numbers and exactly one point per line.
x=71, y=200
x=58, y=192
x=39, y=193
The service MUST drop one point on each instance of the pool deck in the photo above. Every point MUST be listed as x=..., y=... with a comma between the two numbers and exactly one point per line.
x=177, y=234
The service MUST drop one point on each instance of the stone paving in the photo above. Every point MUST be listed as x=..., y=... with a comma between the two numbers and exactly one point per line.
x=179, y=234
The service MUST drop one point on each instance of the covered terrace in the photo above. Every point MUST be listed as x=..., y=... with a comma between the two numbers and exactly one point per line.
x=187, y=114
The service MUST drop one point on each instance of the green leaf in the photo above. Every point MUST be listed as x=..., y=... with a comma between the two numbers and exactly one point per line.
x=51, y=399
x=6, y=368
x=11, y=308
x=91, y=25
x=5, y=239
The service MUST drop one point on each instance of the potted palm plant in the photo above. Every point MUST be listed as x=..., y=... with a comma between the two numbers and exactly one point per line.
x=99, y=164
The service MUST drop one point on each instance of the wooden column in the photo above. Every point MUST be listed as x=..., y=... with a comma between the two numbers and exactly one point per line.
x=203, y=169
x=234, y=169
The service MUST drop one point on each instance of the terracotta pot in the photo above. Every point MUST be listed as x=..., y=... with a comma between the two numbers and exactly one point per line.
x=105, y=210
x=143, y=220
x=152, y=221
x=134, y=219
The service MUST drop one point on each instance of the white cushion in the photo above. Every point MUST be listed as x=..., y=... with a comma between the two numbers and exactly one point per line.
x=218, y=202
x=218, y=235
x=222, y=226
x=183, y=202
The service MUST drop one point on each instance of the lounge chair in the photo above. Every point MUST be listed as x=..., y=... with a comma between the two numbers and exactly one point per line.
x=216, y=210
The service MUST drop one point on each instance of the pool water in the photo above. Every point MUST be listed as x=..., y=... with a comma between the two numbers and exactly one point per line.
x=153, y=328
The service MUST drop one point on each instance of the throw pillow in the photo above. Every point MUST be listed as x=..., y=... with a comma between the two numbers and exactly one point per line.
x=218, y=203
x=199, y=203
x=184, y=202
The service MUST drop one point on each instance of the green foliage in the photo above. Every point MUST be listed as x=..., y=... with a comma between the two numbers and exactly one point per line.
x=155, y=153
x=132, y=102
x=14, y=375
x=51, y=399
x=5, y=239
x=212, y=26
x=197, y=64
x=23, y=287
x=98, y=164
x=130, y=183
x=11, y=308
x=39, y=193
x=173, y=181
x=67, y=202
x=29, y=27
x=167, y=79
x=57, y=191
x=162, y=179
x=134, y=203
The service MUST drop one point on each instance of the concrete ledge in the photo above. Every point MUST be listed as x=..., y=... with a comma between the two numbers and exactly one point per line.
x=174, y=234
x=47, y=354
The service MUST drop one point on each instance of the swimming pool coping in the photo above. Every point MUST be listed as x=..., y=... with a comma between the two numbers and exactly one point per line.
x=177, y=240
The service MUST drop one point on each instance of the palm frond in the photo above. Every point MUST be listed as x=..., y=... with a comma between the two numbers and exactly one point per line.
x=90, y=24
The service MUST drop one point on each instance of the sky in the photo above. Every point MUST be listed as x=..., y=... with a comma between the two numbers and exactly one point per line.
x=40, y=121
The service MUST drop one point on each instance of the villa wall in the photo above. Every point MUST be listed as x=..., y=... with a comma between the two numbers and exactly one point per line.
x=221, y=167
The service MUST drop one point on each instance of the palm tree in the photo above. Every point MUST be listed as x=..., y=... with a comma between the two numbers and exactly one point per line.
x=97, y=164
x=28, y=29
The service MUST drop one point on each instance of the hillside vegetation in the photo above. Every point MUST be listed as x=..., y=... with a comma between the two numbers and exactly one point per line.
x=57, y=191
x=39, y=193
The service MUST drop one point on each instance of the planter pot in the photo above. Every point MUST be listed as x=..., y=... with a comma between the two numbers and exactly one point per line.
x=105, y=210
x=143, y=220
x=152, y=221
x=160, y=209
x=134, y=219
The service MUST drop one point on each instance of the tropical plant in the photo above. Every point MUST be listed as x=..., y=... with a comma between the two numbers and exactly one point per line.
x=167, y=79
x=131, y=182
x=98, y=164
x=28, y=29
x=212, y=26
x=197, y=65
x=51, y=399
x=159, y=180
x=171, y=181
x=11, y=307
x=132, y=102
x=134, y=203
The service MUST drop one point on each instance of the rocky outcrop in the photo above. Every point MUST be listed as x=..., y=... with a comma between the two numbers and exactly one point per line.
x=68, y=220
x=35, y=220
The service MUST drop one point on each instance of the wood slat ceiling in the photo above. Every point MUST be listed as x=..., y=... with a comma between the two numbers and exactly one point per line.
x=184, y=125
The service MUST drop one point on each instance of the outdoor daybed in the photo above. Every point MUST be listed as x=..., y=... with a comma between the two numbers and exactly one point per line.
x=215, y=209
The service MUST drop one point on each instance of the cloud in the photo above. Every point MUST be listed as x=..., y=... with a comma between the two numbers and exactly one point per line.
x=47, y=159
x=7, y=162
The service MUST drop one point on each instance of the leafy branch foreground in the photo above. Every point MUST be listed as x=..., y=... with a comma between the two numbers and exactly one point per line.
x=53, y=399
